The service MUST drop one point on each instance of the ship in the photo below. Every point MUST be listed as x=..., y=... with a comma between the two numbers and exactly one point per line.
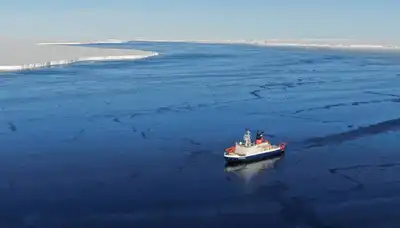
x=248, y=151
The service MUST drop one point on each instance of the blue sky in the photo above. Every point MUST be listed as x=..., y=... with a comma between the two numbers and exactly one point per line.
x=203, y=19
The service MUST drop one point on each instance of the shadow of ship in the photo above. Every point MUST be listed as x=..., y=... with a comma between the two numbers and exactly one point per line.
x=247, y=171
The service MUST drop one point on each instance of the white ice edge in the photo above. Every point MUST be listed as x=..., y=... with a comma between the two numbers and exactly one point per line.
x=65, y=62
x=348, y=46
x=271, y=42
x=298, y=43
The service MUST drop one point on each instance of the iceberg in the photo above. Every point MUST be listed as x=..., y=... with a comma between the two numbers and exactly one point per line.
x=64, y=62
x=22, y=54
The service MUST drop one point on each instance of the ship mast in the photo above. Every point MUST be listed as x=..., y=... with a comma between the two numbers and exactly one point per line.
x=247, y=138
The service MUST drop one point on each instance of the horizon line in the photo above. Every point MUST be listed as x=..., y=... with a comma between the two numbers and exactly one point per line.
x=304, y=42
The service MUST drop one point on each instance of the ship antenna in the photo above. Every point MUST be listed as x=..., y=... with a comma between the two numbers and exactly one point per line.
x=247, y=137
